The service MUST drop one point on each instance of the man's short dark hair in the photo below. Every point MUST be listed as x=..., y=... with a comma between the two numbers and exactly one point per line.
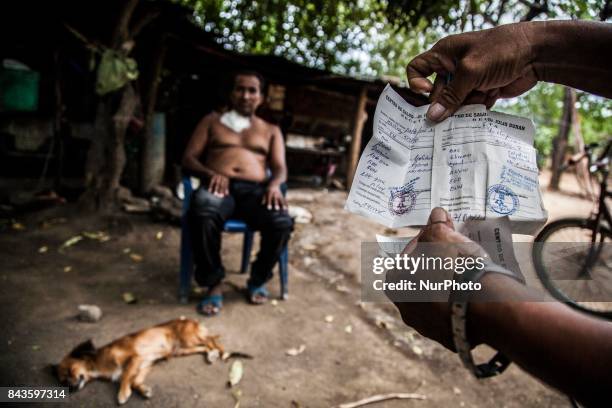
x=247, y=72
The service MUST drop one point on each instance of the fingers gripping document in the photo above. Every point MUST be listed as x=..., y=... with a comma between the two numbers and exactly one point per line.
x=476, y=164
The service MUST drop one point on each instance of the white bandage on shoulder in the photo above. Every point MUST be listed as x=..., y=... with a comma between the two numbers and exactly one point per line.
x=235, y=121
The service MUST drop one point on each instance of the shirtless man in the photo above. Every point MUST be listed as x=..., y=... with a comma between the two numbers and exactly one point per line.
x=231, y=153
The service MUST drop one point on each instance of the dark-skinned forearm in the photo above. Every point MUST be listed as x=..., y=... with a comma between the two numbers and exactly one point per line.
x=566, y=349
x=573, y=53
x=279, y=176
x=195, y=167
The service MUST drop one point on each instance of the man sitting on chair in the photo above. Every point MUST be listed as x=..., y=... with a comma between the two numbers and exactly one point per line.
x=231, y=154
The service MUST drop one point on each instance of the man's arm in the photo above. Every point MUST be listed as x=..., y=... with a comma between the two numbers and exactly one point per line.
x=195, y=148
x=219, y=184
x=278, y=166
x=508, y=60
x=574, y=53
x=566, y=349
x=274, y=198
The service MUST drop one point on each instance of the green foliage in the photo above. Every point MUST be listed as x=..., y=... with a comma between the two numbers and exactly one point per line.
x=322, y=34
x=543, y=104
x=375, y=38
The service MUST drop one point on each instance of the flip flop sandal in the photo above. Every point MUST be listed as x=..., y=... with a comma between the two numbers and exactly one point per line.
x=258, y=291
x=215, y=300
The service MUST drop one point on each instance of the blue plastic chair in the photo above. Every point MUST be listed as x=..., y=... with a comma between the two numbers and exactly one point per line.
x=230, y=226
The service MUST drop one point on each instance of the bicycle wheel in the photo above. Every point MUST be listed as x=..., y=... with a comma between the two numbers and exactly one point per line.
x=575, y=266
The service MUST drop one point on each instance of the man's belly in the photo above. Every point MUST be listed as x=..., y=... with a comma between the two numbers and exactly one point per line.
x=237, y=162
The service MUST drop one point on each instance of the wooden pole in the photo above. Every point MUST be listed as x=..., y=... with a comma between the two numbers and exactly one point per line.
x=149, y=160
x=358, y=122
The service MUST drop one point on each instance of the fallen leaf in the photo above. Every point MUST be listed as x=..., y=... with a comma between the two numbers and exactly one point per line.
x=309, y=247
x=98, y=236
x=129, y=298
x=17, y=226
x=296, y=351
x=348, y=329
x=237, y=394
x=136, y=257
x=159, y=235
x=51, y=222
x=67, y=269
x=43, y=249
x=70, y=242
x=329, y=318
x=235, y=374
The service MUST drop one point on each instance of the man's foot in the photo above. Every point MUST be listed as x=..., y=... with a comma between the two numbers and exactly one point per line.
x=212, y=302
x=258, y=295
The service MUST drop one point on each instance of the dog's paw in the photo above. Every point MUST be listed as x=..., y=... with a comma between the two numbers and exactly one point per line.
x=123, y=397
x=145, y=391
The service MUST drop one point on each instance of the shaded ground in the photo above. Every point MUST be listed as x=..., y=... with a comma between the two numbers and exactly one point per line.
x=39, y=297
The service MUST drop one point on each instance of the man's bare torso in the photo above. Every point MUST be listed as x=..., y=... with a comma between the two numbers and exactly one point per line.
x=240, y=155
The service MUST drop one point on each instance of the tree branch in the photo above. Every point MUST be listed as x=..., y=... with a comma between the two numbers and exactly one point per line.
x=487, y=18
x=502, y=10
x=142, y=22
x=120, y=34
x=535, y=9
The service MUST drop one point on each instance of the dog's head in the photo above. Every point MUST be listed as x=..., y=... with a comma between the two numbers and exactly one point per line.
x=73, y=370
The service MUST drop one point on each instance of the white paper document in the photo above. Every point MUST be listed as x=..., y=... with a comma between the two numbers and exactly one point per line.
x=477, y=164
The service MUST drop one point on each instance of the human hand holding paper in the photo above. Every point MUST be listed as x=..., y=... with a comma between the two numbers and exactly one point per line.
x=477, y=164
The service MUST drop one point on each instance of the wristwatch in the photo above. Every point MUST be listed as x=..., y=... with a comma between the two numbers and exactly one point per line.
x=459, y=305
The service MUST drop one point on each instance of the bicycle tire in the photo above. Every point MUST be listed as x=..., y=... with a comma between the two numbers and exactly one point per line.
x=543, y=272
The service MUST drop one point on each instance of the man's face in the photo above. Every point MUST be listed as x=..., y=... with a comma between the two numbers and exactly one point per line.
x=246, y=95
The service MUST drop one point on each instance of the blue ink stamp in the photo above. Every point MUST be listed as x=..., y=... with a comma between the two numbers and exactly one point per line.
x=402, y=200
x=502, y=199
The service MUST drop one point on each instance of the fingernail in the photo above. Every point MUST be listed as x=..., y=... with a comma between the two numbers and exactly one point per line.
x=435, y=112
x=438, y=215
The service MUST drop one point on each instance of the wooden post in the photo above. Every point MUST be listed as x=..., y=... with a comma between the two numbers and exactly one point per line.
x=150, y=162
x=358, y=121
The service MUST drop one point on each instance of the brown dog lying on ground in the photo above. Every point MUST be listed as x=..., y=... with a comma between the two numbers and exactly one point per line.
x=130, y=358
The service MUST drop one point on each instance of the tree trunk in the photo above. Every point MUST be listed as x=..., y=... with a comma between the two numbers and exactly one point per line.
x=358, y=122
x=560, y=141
x=106, y=158
x=582, y=167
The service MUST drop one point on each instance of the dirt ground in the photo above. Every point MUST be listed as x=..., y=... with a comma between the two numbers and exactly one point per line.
x=365, y=350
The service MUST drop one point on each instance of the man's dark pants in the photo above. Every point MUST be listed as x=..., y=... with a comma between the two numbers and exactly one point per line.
x=208, y=214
